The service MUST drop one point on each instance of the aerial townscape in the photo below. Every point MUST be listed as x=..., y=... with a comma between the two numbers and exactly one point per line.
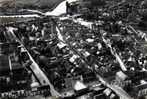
x=73, y=49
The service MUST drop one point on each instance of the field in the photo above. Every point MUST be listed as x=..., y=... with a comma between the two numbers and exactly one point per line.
x=29, y=3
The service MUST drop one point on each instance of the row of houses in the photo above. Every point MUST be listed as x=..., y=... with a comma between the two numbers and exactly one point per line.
x=15, y=18
x=83, y=6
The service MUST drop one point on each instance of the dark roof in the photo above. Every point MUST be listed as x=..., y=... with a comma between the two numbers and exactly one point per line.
x=4, y=64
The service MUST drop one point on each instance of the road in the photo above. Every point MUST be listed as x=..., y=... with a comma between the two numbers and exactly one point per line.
x=119, y=91
x=35, y=68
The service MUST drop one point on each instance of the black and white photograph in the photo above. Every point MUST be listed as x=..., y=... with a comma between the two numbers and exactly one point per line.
x=73, y=49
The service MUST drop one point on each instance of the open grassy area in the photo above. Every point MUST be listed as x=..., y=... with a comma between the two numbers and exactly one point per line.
x=50, y=4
